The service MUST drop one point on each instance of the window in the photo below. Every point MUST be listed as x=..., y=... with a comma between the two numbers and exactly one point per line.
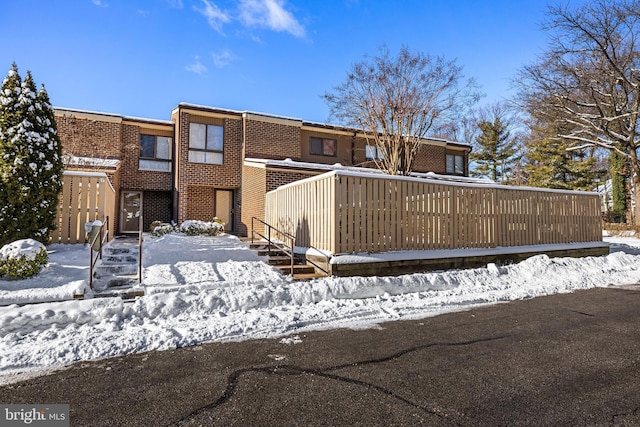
x=155, y=153
x=371, y=152
x=323, y=146
x=455, y=164
x=206, y=143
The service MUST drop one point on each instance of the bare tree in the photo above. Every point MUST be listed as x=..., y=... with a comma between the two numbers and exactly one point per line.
x=590, y=77
x=398, y=100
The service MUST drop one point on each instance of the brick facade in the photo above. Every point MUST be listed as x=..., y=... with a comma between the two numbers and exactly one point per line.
x=89, y=136
x=272, y=140
x=189, y=174
x=134, y=178
x=157, y=206
x=188, y=189
x=254, y=188
x=431, y=158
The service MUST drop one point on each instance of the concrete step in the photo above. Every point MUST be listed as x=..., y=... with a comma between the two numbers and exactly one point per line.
x=119, y=259
x=115, y=282
x=125, y=294
x=297, y=269
x=120, y=250
x=282, y=260
x=272, y=253
x=307, y=276
x=107, y=270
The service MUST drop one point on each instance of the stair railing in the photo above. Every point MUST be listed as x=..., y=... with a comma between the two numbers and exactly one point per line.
x=93, y=259
x=140, y=225
x=276, y=238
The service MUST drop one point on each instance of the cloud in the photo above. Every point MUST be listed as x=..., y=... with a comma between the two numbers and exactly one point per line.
x=269, y=14
x=197, y=67
x=99, y=3
x=215, y=16
x=222, y=59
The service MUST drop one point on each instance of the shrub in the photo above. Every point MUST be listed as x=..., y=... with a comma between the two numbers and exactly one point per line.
x=22, y=259
x=195, y=228
x=158, y=228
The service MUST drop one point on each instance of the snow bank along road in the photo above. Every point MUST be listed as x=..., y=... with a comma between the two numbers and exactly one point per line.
x=201, y=289
x=566, y=359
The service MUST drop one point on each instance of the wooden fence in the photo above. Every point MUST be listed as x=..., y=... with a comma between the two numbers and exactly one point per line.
x=86, y=196
x=347, y=212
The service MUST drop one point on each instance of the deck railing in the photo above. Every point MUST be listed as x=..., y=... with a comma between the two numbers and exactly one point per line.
x=346, y=212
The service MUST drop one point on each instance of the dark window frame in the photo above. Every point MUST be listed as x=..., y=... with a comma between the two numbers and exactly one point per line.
x=322, y=141
x=155, y=148
x=377, y=155
x=455, y=157
x=206, y=141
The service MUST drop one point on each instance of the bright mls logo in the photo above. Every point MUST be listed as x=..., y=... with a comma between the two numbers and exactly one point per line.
x=34, y=415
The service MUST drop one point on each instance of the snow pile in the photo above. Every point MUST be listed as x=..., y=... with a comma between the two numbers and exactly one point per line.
x=194, y=227
x=206, y=288
x=64, y=277
x=28, y=248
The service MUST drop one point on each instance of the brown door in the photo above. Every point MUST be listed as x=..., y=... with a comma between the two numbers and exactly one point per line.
x=224, y=208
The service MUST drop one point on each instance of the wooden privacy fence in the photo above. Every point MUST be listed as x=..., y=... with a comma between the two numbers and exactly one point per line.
x=86, y=196
x=347, y=212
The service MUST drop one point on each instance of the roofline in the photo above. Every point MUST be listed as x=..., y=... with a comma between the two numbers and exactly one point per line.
x=246, y=113
x=112, y=116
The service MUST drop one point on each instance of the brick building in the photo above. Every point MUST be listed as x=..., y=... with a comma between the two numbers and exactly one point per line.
x=208, y=162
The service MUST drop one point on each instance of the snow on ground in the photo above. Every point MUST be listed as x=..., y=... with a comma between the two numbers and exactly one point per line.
x=203, y=288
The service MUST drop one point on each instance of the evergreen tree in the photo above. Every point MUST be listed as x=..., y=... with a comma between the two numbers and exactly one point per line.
x=497, y=150
x=30, y=161
x=550, y=165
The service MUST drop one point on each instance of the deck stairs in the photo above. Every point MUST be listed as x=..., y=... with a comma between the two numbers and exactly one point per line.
x=116, y=274
x=282, y=261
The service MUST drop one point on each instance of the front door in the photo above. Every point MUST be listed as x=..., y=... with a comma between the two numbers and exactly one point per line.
x=131, y=211
x=224, y=208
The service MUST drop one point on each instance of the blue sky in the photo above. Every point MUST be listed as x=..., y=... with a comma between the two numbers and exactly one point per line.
x=141, y=58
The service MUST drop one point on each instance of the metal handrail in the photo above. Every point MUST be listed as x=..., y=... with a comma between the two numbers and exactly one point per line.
x=293, y=239
x=325, y=271
x=103, y=237
x=140, y=239
x=275, y=243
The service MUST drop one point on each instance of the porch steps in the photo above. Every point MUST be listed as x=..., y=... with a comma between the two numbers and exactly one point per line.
x=280, y=260
x=116, y=274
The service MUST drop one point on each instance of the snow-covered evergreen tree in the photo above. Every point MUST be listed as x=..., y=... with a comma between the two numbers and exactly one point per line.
x=30, y=161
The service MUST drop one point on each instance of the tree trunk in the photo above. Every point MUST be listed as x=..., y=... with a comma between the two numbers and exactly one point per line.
x=635, y=219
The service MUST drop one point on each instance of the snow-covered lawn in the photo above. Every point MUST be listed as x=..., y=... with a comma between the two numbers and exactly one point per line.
x=201, y=289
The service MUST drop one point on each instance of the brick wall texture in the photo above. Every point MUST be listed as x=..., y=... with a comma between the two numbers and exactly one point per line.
x=430, y=158
x=157, y=206
x=252, y=200
x=89, y=138
x=188, y=191
x=266, y=140
x=227, y=175
x=132, y=177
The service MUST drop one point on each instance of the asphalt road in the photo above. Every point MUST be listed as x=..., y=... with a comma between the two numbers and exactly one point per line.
x=562, y=360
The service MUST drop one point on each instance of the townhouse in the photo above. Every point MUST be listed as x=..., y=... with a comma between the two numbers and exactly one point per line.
x=209, y=162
